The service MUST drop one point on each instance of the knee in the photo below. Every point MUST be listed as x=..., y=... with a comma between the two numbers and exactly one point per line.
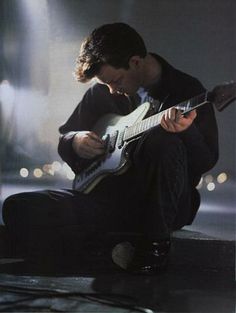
x=11, y=206
x=159, y=145
x=7, y=209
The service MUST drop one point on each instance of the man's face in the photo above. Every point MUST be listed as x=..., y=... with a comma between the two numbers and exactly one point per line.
x=120, y=81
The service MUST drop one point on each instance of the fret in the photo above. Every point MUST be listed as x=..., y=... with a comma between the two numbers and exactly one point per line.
x=192, y=103
x=145, y=123
x=142, y=126
x=149, y=123
x=154, y=120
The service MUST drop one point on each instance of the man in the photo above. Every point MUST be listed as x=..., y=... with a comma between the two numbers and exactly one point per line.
x=157, y=193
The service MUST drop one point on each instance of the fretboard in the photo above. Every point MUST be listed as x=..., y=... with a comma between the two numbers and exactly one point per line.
x=154, y=120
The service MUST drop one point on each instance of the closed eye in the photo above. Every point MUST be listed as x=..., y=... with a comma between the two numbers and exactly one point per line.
x=117, y=81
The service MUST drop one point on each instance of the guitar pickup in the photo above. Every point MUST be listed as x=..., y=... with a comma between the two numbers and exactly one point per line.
x=113, y=139
x=110, y=141
x=121, y=139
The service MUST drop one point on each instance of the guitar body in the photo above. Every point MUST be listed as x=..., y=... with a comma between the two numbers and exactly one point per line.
x=111, y=128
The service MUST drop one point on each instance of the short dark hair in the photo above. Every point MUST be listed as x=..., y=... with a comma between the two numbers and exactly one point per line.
x=112, y=44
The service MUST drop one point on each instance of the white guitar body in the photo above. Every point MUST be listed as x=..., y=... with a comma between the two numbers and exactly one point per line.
x=115, y=161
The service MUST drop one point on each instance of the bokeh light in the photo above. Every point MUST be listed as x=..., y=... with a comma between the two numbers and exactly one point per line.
x=211, y=186
x=221, y=178
x=208, y=178
x=24, y=172
x=38, y=172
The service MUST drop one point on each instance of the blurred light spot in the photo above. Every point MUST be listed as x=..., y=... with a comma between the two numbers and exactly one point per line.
x=208, y=179
x=47, y=168
x=38, y=173
x=56, y=166
x=70, y=175
x=199, y=186
x=68, y=171
x=221, y=178
x=65, y=166
x=211, y=186
x=24, y=172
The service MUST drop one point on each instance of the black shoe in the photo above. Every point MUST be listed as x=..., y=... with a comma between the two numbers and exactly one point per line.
x=151, y=259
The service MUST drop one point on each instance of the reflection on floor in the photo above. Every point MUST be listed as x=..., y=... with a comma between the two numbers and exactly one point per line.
x=176, y=291
x=200, y=277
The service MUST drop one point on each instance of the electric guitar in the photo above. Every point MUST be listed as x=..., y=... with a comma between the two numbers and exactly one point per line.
x=118, y=131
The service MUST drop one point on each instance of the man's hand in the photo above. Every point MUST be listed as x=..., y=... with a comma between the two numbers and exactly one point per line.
x=88, y=145
x=173, y=121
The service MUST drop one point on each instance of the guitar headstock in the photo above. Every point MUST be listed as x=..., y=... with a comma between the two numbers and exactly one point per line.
x=222, y=95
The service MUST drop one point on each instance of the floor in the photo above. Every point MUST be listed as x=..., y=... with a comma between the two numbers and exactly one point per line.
x=200, y=279
x=200, y=291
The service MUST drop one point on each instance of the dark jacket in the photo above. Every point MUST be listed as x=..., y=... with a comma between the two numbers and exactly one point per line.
x=201, y=138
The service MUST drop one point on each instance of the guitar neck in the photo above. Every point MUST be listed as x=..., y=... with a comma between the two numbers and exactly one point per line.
x=154, y=120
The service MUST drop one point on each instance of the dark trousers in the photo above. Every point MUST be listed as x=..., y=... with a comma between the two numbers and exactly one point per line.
x=153, y=197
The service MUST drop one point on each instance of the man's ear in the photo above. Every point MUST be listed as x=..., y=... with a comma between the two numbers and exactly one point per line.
x=134, y=61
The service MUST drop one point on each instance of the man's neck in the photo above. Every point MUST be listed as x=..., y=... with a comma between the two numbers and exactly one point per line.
x=151, y=71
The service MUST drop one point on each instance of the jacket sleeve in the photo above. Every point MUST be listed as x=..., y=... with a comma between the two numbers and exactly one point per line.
x=83, y=118
x=96, y=102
